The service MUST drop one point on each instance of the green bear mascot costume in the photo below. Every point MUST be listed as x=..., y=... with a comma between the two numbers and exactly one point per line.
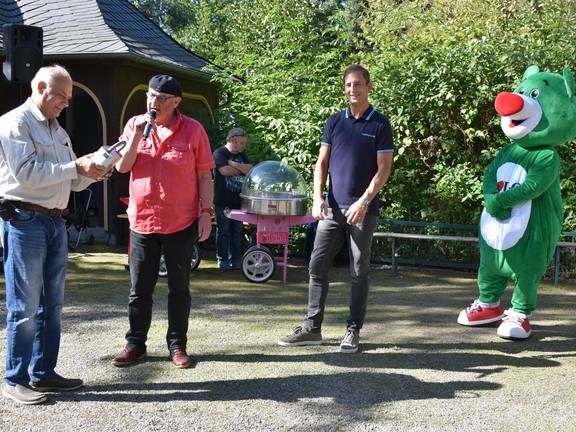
x=522, y=217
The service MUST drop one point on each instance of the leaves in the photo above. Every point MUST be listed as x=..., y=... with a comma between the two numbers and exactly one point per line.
x=436, y=68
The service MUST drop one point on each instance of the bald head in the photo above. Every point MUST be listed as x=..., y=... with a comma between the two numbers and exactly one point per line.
x=51, y=90
x=48, y=74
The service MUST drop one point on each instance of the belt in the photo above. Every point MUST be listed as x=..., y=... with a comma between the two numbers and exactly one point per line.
x=53, y=213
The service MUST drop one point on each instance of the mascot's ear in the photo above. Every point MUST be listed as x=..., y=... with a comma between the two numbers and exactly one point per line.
x=531, y=71
x=569, y=82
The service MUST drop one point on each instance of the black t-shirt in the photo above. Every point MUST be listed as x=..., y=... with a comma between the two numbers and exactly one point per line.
x=227, y=188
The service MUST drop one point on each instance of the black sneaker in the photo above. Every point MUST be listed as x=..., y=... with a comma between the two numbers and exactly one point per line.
x=57, y=383
x=350, y=342
x=301, y=336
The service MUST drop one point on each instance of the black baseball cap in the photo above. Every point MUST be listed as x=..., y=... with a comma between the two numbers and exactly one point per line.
x=165, y=84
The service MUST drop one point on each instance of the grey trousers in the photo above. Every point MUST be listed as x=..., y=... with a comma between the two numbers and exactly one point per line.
x=330, y=236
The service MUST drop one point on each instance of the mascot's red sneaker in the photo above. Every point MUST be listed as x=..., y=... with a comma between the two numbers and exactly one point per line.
x=476, y=314
x=516, y=325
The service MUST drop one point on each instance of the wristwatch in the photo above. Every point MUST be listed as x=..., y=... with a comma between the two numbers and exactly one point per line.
x=365, y=202
x=207, y=210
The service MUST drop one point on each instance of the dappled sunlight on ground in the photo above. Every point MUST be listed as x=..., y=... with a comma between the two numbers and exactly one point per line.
x=415, y=361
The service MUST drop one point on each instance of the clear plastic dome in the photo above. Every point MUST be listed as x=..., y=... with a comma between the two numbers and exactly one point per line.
x=272, y=179
x=274, y=188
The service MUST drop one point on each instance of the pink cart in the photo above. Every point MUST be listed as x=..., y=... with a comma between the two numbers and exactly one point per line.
x=258, y=262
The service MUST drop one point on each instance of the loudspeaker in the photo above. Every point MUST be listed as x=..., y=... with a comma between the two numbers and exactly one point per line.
x=23, y=46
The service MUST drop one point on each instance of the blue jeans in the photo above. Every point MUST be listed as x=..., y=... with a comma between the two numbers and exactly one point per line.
x=228, y=239
x=35, y=258
x=331, y=233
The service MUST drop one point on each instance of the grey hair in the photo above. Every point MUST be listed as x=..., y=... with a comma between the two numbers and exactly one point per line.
x=47, y=75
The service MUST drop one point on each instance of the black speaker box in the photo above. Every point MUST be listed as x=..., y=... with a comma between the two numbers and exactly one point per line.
x=23, y=45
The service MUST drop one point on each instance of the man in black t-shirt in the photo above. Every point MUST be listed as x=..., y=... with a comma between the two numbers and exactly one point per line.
x=232, y=165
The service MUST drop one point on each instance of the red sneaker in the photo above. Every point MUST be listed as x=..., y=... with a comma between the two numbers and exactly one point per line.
x=476, y=314
x=516, y=325
x=180, y=359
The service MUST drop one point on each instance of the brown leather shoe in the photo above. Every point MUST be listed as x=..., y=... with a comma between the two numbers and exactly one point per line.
x=180, y=359
x=128, y=356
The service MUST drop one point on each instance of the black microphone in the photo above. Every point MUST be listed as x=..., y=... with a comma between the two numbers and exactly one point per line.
x=149, y=124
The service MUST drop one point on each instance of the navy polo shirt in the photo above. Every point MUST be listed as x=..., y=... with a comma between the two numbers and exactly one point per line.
x=354, y=145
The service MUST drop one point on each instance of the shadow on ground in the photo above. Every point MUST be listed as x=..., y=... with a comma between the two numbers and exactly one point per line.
x=340, y=387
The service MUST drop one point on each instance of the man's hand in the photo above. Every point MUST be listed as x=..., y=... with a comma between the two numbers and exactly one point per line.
x=319, y=207
x=88, y=168
x=356, y=213
x=204, y=226
x=139, y=126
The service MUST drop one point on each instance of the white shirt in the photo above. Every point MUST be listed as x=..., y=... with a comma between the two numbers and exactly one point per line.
x=36, y=159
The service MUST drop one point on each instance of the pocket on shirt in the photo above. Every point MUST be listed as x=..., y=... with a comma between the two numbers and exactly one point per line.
x=367, y=140
x=177, y=153
x=50, y=152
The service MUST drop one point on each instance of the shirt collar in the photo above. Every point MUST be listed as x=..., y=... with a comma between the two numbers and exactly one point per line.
x=35, y=110
x=366, y=116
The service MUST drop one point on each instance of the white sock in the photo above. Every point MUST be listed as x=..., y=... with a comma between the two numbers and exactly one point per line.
x=489, y=305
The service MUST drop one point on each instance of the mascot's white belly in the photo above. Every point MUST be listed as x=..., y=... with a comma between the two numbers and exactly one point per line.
x=503, y=234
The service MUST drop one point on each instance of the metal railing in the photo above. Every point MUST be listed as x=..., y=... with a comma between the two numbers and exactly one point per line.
x=395, y=237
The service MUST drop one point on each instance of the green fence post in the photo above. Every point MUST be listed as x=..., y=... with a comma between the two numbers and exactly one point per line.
x=394, y=259
x=556, y=266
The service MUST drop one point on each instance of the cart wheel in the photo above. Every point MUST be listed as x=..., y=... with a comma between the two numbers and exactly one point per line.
x=162, y=271
x=196, y=258
x=258, y=264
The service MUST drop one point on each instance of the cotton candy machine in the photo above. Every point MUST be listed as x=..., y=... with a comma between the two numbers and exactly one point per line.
x=273, y=198
x=274, y=188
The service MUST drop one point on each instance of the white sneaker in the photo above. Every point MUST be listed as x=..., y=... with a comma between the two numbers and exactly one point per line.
x=515, y=325
x=350, y=341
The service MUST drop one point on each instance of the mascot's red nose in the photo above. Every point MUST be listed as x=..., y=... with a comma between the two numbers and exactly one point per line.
x=508, y=103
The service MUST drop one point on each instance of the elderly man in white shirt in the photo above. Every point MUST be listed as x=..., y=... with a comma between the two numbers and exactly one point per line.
x=38, y=169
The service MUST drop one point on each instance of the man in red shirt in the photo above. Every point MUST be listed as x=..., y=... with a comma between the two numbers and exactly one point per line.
x=170, y=208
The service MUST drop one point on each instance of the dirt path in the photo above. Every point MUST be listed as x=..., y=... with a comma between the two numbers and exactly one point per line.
x=418, y=370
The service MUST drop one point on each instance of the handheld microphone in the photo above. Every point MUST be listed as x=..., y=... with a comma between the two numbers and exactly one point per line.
x=149, y=124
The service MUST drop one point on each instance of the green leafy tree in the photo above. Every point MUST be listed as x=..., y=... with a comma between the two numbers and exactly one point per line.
x=440, y=65
x=289, y=56
x=436, y=66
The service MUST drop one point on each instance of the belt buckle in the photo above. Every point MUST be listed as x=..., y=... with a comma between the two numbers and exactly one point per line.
x=55, y=213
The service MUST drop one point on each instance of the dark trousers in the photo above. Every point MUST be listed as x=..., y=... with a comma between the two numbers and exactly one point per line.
x=228, y=239
x=331, y=233
x=145, y=251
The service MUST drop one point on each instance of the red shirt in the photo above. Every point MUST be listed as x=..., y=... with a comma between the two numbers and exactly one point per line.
x=163, y=180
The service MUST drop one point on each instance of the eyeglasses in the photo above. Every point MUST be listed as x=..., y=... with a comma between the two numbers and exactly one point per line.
x=160, y=98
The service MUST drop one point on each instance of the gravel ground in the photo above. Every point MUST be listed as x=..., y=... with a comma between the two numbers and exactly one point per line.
x=417, y=369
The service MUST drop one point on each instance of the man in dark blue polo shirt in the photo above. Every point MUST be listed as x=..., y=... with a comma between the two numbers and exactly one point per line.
x=356, y=153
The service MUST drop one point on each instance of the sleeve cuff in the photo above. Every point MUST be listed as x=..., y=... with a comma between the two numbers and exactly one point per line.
x=205, y=167
x=69, y=170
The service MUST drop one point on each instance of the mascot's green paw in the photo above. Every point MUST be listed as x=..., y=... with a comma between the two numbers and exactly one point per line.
x=502, y=214
x=494, y=208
